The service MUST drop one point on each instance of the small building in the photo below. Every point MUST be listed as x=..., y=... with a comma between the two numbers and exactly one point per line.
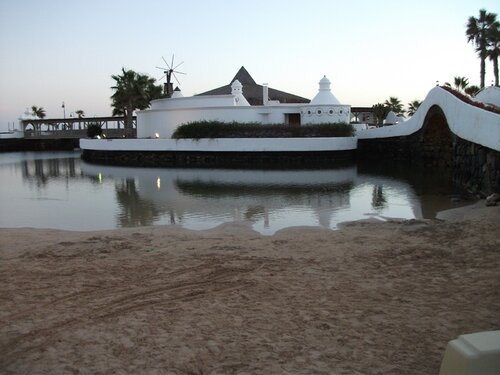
x=261, y=104
x=363, y=115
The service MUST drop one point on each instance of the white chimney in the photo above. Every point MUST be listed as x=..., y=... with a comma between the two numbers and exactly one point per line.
x=265, y=94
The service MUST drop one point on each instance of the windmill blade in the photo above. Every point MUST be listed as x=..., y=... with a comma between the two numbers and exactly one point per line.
x=175, y=71
x=159, y=67
x=176, y=79
x=166, y=63
x=178, y=65
x=171, y=65
x=163, y=76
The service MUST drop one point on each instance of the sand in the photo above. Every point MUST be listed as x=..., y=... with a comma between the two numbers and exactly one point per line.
x=371, y=298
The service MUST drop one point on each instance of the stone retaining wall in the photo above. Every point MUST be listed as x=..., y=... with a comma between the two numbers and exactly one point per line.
x=476, y=167
x=23, y=144
x=219, y=159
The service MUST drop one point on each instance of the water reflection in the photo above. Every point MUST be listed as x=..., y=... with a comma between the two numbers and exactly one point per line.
x=40, y=171
x=57, y=190
x=379, y=201
x=135, y=211
x=268, y=199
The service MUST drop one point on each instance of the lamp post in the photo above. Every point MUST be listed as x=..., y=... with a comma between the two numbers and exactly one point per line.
x=64, y=110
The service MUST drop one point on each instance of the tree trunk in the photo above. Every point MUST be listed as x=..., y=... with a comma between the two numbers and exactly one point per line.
x=483, y=70
x=495, y=69
x=128, y=122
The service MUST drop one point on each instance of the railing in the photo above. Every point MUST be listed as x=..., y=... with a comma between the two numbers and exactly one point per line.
x=113, y=127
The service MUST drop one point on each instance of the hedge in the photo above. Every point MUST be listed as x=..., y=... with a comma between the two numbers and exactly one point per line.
x=218, y=129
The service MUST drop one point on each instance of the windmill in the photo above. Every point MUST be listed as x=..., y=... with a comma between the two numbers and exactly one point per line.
x=169, y=71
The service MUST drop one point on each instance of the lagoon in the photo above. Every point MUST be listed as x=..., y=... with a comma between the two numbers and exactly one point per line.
x=58, y=190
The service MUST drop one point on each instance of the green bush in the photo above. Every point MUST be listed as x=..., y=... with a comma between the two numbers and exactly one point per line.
x=94, y=129
x=218, y=129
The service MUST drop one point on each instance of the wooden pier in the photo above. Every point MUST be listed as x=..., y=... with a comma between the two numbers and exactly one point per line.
x=74, y=127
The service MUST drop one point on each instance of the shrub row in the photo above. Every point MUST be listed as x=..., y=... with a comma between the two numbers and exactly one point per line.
x=218, y=129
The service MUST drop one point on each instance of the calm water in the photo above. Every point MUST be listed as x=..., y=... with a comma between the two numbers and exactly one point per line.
x=58, y=190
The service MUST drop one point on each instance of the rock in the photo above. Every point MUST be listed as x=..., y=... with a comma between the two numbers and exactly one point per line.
x=493, y=199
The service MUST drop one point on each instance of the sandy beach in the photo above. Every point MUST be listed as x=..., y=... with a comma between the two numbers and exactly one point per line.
x=372, y=298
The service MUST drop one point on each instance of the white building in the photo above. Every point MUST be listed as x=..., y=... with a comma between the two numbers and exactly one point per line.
x=165, y=115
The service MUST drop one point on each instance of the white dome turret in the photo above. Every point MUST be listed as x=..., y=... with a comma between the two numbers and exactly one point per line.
x=393, y=118
x=324, y=95
x=237, y=92
x=236, y=87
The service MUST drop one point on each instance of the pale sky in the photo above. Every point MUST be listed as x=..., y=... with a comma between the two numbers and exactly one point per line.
x=66, y=50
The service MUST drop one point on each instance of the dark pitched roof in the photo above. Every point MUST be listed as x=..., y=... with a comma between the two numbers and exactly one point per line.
x=253, y=92
x=244, y=77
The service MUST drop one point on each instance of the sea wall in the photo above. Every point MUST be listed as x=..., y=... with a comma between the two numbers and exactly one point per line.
x=222, y=152
x=476, y=167
x=444, y=133
x=472, y=166
x=232, y=159
x=26, y=144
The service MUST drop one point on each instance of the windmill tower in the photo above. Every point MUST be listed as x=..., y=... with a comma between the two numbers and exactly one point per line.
x=168, y=72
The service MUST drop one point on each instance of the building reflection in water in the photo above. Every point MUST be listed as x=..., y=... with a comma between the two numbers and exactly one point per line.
x=379, y=201
x=40, y=171
x=135, y=211
x=91, y=197
x=270, y=199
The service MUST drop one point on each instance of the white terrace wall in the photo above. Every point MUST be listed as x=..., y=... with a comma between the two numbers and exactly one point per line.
x=164, y=122
x=223, y=144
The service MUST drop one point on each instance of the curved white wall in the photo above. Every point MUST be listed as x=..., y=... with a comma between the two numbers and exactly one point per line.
x=223, y=144
x=466, y=121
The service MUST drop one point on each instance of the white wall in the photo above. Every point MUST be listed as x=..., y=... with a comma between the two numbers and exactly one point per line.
x=166, y=115
x=321, y=114
x=466, y=121
x=223, y=144
x=164, y=122
x=11, y=135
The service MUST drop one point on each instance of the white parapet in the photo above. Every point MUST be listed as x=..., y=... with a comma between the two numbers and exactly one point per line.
x=12, y=134
x=223, y=144
x=466, y=121
x=475, y=353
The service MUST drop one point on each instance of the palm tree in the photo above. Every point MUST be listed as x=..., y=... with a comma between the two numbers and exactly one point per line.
x=395, y=105
x=493, y=48
x=461, y=83
x=80, y=113
x=38, y=111
x=413, y=106
x=380, y=112
x=472, y=90
x=132, y=91
x=477, y=32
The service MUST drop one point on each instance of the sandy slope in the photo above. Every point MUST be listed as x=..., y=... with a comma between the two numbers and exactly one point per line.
x=372, y=298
